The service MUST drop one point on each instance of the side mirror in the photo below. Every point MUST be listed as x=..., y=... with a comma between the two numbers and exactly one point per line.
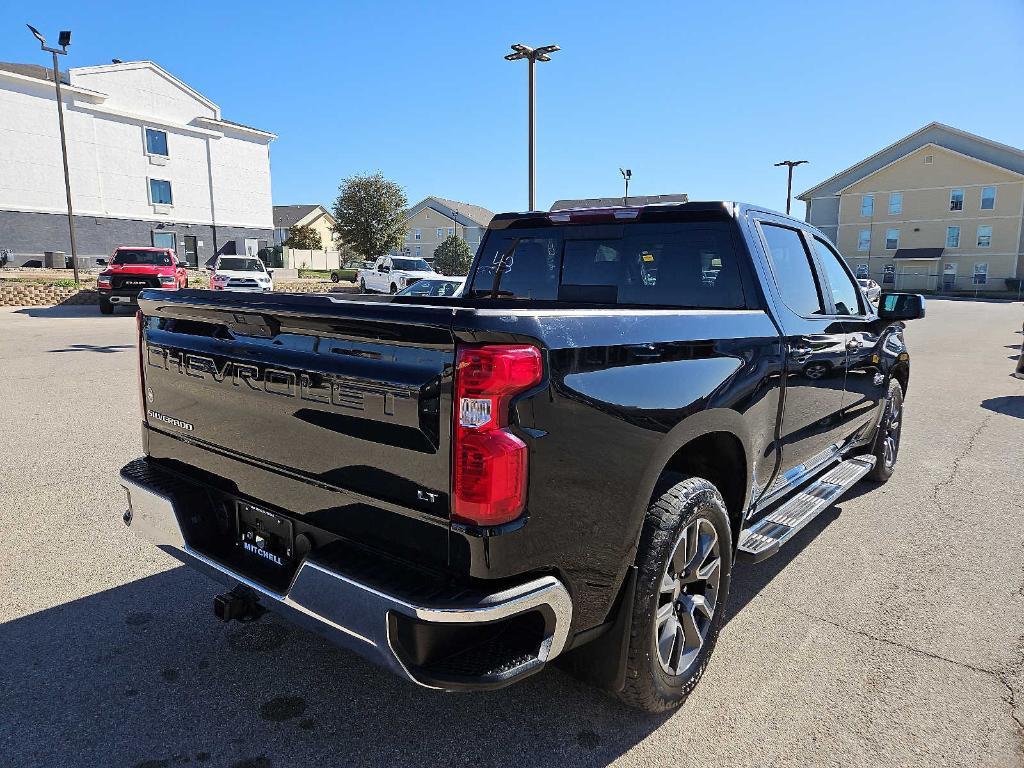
x=901, y=306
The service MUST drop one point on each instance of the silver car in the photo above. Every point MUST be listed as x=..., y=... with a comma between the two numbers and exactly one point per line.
x=871, y=289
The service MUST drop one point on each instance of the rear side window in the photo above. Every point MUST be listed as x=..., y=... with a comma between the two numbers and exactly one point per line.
x=682, y=264
x=791, y=265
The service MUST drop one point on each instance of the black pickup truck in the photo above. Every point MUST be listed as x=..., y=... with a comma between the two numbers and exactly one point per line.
x=566, y=461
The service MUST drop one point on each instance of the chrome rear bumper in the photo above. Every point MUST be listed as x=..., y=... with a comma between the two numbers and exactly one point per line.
x=362, y=616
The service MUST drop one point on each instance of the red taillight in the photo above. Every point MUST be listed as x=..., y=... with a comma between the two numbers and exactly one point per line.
x=140, y=327
x=489, y=463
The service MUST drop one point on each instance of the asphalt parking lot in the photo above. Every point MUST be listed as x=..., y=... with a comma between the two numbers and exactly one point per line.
x=890, y=632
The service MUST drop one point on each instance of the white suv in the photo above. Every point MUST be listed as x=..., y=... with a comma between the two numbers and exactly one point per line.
x=240, y=273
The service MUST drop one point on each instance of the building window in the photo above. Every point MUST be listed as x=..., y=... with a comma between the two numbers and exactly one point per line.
x=929, y=159
x=165, y=240
x=952, y=237
x=892, y=239
x=440, y=233
x=451, y=231
x=980, y=274
x=956, y=199
x=867, y=205
x=864, y=240
x=888, y=274
x=156, y=142
x=862, y=272
x=985, y=236
x=895, y=203
x=419, y=250
x=418, y=234
x=160, y=192
x=988, y=198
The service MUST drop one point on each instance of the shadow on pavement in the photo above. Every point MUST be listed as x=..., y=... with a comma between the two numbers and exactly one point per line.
x=142, y=675
x=1011, y=405
x=71, y=311
x=102, y=348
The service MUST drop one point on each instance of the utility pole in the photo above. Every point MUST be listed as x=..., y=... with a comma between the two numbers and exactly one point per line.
x=626, y=176
x=790, y=164
x=64, y=40
x=532, y=55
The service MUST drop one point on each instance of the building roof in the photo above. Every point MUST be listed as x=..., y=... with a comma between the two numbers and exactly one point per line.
x=613, y=202
x=32, y=70
x=465, y=213
x=939, y=134
x=286, y=216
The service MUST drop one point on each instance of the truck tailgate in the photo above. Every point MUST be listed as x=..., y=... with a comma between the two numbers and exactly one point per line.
x=348, y=394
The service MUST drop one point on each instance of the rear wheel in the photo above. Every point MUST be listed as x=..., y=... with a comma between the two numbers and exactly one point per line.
x=335, y=277
x=685, y=565
x=394, y=288
x=362, y=285
x=886, y=447
x=106, y=308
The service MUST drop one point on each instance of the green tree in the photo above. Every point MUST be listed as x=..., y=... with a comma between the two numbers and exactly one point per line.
x=452, y=257
x=370, y=215
x=305, y=238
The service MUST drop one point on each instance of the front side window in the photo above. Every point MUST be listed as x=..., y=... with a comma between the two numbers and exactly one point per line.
x=156, y=142
x=980, y=273
x=892, y=239
x=988, y=198
x=895, y=203
x=952, y=237
x=160, y=192
x=692, y=264
x=791, y=265
x=845, y=293
x=985, y=236
x=956, y=200
x=864, y=240
x=867, y=205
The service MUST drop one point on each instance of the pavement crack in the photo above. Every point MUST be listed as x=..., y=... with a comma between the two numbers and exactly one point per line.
x=955, y=469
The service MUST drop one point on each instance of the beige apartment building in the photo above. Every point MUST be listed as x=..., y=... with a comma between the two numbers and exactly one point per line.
x=940, y=210
x=433, y=219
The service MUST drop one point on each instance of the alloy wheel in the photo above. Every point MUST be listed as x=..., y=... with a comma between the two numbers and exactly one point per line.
x=688, y=596
x=891, y=441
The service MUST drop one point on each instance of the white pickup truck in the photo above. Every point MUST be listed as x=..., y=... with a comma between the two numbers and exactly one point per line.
x=392, y=274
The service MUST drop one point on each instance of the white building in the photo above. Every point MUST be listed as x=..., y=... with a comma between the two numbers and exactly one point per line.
x=152, y=162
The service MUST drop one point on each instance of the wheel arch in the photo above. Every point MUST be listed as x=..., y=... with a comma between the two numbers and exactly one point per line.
x=901, y=372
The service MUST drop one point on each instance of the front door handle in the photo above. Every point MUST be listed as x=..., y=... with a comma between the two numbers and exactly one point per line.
x=800, y=353
x=854, y=344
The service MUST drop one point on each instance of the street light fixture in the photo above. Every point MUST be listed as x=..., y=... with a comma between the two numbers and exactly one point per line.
x=63, y=40
x=626, y=176
x=532, y=55
x=791, y=164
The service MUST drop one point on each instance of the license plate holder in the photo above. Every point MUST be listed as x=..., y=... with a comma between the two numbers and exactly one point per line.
x=264, y=534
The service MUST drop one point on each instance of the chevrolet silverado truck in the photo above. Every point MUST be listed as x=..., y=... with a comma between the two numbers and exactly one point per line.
x=391, y=274
x=565, y=462
x=132, y=269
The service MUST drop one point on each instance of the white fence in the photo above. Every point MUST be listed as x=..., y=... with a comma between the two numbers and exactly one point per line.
x=299, y=259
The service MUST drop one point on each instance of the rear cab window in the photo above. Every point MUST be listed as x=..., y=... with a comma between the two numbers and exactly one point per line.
x=671, y=264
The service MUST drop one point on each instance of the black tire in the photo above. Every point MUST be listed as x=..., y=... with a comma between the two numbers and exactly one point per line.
x=890, y=427
x=335, y=277
x=680, y=506
x=394, y=289
x=362, y=285
x=106, y=308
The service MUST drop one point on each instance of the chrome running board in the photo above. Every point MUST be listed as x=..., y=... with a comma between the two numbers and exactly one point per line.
x=765, y=537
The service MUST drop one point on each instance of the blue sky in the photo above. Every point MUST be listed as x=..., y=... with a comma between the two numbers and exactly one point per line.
x=696, y=98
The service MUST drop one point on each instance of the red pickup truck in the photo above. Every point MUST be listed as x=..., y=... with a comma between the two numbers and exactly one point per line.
x=133, y=269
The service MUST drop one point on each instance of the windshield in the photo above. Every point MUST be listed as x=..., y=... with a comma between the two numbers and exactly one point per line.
x=412, y=265
x=239, y=265
x=683, y=264
x=432, y=288
x=155, y=258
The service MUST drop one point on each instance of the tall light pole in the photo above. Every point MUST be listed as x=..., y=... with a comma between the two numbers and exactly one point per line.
x=626, y=176
x=791, y=164
x=532, y=55
x=64, y=40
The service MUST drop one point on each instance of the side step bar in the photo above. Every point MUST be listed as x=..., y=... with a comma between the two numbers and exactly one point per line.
x=766, y=537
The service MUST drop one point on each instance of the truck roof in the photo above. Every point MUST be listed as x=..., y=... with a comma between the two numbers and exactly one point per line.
x=634, y=212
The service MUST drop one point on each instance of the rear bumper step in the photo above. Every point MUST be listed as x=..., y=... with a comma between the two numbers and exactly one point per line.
x=454, y=639
x=766, y=536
